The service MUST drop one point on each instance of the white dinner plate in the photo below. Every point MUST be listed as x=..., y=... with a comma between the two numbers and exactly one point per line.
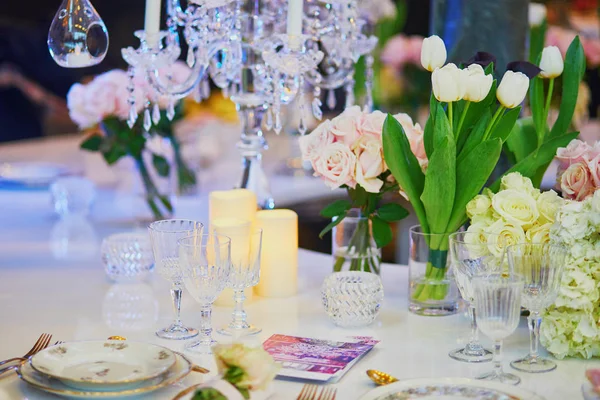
x=45, y=383
x=31, y=173
x=104, y=364
x=449, y=389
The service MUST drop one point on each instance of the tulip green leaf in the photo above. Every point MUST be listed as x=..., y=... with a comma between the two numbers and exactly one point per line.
x=429, y=126
x=476, y=109
x=441, y=128
x=523, y=139
x=440, y=185
x=404, y=166
x=571, y=77
x=537, y=36
x=472, y=172
x=530, y=165
x=536, y=102
x=476, y=135
x=505, y=125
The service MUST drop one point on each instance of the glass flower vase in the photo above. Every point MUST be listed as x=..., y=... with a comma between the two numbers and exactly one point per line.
x=353, y=246
x=432, y=289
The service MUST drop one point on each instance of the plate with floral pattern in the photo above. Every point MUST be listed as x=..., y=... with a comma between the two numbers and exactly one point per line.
x=48, y=384
x=449, y=389
x=103, y=365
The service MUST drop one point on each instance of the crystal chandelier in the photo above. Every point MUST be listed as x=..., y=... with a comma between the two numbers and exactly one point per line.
x=262, y=54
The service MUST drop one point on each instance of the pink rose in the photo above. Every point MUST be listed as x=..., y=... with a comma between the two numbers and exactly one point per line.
x=311, y=144
x=370, y=164
x=179, y=73
x=345, y=126
x=594, y=151
x=576, y=182
x=414, y=133
x=401, y=50
x=575, y=152
x=79, y=113
x=372, y=124
x=336, y=164
x=594, y=167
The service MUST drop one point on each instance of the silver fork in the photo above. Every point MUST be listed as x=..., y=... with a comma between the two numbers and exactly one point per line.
x=41, y=344
x=16, y=366
x=310, y=392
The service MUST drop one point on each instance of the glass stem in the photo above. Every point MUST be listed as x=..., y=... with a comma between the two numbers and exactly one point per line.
x=205, y=325
x=239, y=315
x=498, y=358
x=474, y=331
x=534, y=321
x=176, y=295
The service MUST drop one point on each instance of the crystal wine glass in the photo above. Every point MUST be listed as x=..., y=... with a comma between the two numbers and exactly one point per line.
x=541, y=266
x=498, y=304
x=206, y=266
x=245, y=273
x=471, y=256
x=164, y=236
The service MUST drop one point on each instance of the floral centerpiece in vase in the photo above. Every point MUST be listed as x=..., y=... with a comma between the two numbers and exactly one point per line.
x=102, y=107
x=346, y=152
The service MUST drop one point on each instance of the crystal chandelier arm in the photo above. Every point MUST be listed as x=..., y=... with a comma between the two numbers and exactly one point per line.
x=175, y=12
x=180, y=90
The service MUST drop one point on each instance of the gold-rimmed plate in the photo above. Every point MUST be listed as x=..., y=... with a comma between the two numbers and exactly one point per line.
x=104, y=365
x=48, y=384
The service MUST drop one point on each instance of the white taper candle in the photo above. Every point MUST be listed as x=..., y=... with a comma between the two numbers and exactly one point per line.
x=294, y=17
x=152, y=21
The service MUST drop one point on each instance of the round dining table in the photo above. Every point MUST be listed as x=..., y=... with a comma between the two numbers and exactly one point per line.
x=52, y=280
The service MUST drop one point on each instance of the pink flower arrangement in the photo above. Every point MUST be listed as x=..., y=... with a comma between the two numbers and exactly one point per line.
x=107, y=95
x=562, y=37
x=348, y=149
x=401, y=50
x=579, y=169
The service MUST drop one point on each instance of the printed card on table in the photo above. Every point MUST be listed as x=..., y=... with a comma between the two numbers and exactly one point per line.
x=316, y=359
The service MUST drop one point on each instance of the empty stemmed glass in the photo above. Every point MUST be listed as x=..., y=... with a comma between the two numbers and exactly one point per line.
x=206, y=265
x=245, y=273
x=498, y=305
x=164, y=236
x=473, y=254
x=541, y=266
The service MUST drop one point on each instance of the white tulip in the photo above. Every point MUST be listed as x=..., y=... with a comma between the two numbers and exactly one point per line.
x=513, y=89
x=477, y=83
x=537, y=14
x=448, y=83
x=552, y=64
x=433, y=53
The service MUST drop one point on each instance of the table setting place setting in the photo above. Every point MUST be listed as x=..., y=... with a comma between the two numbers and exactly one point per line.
x=254, y=316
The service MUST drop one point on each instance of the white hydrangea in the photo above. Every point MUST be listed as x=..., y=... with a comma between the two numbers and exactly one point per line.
x=571, y=327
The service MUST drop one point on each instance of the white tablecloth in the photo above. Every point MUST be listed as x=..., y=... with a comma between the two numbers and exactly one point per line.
x=51, y=280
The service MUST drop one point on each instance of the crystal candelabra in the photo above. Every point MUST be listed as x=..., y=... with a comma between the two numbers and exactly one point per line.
x=241, y=46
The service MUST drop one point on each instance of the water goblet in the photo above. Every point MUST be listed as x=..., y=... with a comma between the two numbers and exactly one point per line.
x=473, y=254
x=541, y=266
x=206, y=265
x=164, y=236
x=245, y=273
x=498, y=305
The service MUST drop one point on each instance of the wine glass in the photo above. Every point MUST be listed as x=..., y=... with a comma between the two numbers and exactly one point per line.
x=498, y=305
x=245, y=273
x=541, y=266
x=164, y=236
x=471, y=256
x=206, y=266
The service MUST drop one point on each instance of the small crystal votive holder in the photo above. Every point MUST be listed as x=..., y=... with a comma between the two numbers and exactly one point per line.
x=128, y=257
x=352, y=298
x=72, y=195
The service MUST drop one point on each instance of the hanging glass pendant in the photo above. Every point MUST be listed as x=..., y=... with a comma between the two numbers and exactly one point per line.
x=77, y=37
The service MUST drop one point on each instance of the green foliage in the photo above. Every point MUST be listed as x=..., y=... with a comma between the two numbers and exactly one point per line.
x=208, y=394
x=161, y=165
x=382, y=232
x=392, y=212
x=505, y=124
x=336, y=208
x=537, y=37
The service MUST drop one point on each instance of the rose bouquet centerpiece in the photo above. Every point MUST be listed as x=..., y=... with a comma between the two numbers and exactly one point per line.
x=572, y=325
x=346, y=152
x=242, y=370
x=518, y=213
x=579, y=170
x=102, y=107
x=470, y=119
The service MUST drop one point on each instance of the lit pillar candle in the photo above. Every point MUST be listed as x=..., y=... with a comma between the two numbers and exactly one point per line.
x=238, y=230
x=279, y=257
x=236, y=203
x=294, y=17
x=152, y=21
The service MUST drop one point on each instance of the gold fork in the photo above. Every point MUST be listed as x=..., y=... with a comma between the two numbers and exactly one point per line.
x=310, y=392
x=16, y=366
x=41, y=344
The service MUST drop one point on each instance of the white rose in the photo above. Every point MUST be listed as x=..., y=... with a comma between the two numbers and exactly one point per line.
x=506, y=234
x=518, y=182
x=480, y=205
x=477, y=241
x=369, y=165
x=336, y=164
x=538, y=233
x=548, y=204
x=516, y=207
x=346, y=126
x=258, y=366
x=313, y=143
